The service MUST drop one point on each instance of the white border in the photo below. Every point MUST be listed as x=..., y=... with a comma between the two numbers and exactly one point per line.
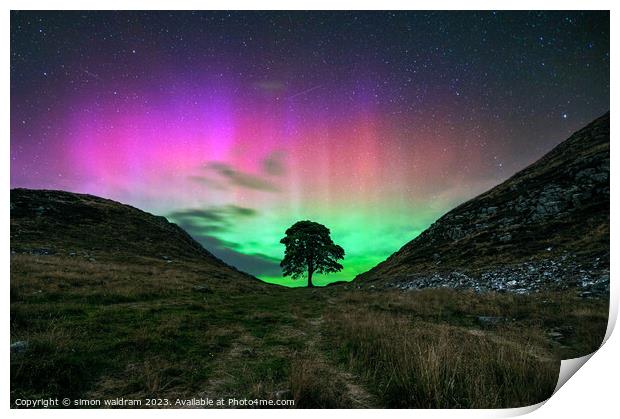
x=593, y=392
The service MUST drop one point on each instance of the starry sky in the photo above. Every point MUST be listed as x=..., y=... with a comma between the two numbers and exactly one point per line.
x=237, y=124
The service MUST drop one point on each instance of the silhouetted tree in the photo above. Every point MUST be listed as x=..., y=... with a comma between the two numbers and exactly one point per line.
x=309, y=248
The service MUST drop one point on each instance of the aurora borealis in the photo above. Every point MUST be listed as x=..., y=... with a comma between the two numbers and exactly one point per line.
x=237, y=124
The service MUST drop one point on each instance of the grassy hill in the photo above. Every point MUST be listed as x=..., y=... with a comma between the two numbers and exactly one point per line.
x=88, y=227
x=545, y=227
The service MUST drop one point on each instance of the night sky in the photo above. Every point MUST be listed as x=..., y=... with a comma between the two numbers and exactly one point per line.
x=237, y=124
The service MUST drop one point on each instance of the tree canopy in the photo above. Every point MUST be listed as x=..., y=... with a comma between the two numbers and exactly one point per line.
x=309, y=248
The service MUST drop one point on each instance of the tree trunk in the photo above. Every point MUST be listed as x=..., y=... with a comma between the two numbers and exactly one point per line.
x=310, y=279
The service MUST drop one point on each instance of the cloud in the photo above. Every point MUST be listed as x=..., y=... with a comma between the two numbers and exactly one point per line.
x=201, y=224
x=213, y=218
x=274, y=165
x=212, y=183
x=207, y=214
x=241, y=179
x=242, y=211
x=252, y=264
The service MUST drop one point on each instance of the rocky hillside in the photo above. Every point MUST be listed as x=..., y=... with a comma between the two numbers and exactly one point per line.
x=86, y=227
x=547, y=226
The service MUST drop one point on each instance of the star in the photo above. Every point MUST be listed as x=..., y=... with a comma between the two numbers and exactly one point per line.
x=365, y=105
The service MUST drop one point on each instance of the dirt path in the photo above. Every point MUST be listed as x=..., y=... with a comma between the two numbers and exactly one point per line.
x=221, y=379
x=230, y=377
x=356, y=392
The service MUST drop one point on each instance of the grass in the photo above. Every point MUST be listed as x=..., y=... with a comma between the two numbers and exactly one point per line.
x=426, y=365
x=314, y=386
x=103, y=329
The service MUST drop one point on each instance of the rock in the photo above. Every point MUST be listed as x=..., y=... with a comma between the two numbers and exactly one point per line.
x=248, y=352
x=41, y=252
x=19, y=346
x=488, y=211
x=565, y=331
x=585, y=174
x=489, y=320
x=592, y=280
x=282, y=394
x=203, y=288
x=505, y=238
x=455, y=233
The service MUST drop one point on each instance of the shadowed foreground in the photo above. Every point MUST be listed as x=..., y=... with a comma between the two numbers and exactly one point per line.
x=96, y=329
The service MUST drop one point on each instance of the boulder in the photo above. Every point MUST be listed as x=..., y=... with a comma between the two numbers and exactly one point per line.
x=19, y=346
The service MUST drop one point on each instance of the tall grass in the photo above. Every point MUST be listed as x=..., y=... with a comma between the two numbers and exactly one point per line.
x=313, y=385
x=424, y=365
